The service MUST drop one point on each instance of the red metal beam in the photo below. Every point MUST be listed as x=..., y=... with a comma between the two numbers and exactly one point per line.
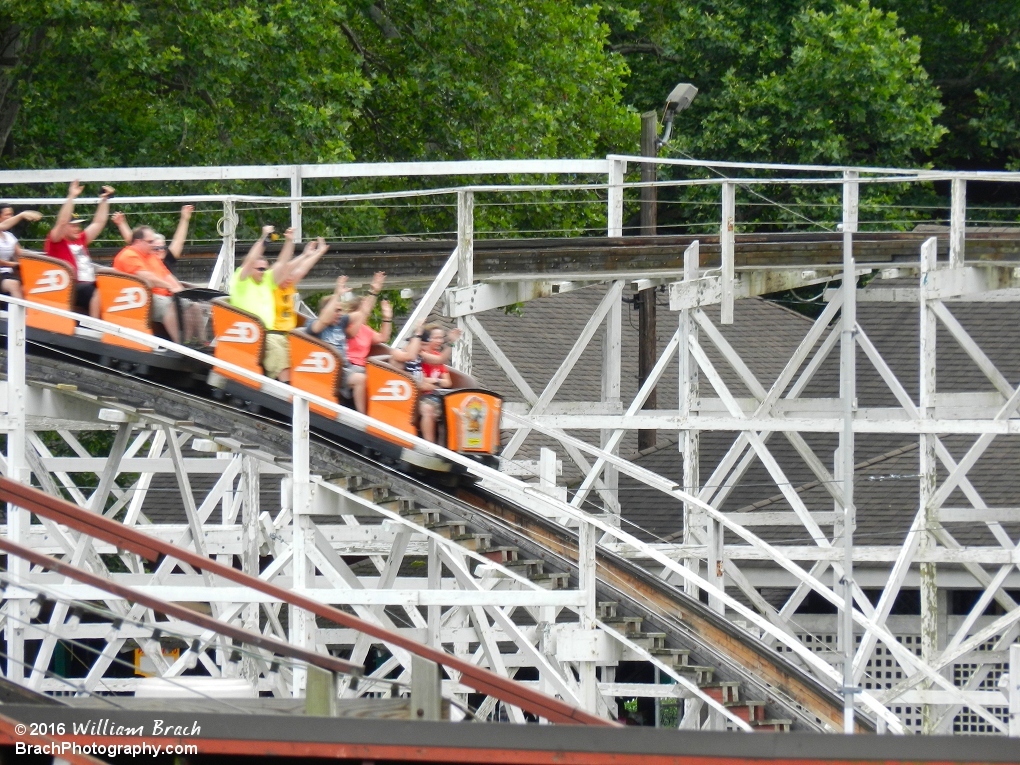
x=150, y=548
x=325, y=661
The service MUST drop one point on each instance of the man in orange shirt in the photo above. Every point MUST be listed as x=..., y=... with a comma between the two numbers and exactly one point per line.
x=139, y=258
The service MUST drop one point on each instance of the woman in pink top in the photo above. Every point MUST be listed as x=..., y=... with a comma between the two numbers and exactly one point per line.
x=360, y=338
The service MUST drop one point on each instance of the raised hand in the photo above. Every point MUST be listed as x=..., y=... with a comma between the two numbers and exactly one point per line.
x=387, y=310
x=377, y=281
x=453, y=335
x=108, y=192
x=267, y=230
x=75, y=189
x=289, y=234
x=118, y=218
x=187, y=211
x=31, y=215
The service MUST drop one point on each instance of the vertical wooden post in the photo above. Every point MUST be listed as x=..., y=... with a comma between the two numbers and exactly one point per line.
x=689, y=441
x=957, y=223
x=250, y=549
x=295, y=204
x=614, y=214
x=226, y=264
x=302, y=623
x=587, y=536
x=465, y=274
x=929, y=476
x=727, y=246
x=18, y=519
x=435, y=582
x=848, y=393
x=611, y=376
x=426, y=690
x=1013, y=691
x=647, y=330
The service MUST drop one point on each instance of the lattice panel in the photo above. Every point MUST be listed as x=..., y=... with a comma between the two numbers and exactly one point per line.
x=966, y=722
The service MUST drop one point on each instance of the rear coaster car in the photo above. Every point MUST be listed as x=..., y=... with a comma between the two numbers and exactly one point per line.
x=126, y=300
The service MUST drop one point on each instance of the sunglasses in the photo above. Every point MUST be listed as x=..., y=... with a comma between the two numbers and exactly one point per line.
x=159, y=247
x=260, y=270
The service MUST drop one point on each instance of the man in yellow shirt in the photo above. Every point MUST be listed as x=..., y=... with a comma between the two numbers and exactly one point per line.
x=252, y=289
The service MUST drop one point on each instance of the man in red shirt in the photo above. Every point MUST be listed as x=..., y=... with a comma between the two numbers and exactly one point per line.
x=67, y=241
x=140, y=258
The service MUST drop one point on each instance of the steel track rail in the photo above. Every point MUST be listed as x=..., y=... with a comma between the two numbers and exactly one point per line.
x=688, y=623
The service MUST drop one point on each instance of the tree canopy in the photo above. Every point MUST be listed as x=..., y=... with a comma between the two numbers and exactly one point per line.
x=136, y=82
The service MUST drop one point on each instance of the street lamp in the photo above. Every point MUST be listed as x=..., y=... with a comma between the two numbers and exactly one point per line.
x=678, y=100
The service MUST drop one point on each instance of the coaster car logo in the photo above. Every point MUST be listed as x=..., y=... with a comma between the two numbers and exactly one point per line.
x=129, y=297
x=53, y=280
x=241, y=332
x=318, y=362
x=393, y=390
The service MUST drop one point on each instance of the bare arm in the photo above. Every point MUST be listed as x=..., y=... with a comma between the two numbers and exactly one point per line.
x=177, y=243
x=412, y=350
x=256, y=251
x=120, y=221
x=360, y=316
x=59, y=229
x=102, y=215
x=301, y=265
x=158, y=281
x=281, y=267
x=14, y=220
x=387, y=324
x=328, y=313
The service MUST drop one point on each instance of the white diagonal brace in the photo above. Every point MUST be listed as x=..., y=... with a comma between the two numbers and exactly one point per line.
x=612, y=296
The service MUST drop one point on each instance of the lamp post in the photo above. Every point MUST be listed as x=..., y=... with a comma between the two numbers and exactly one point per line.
x=678, y=100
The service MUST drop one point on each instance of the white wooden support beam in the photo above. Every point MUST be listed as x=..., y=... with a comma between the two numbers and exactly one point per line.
x=462, y=351
x=302, y=623
x=694, y=521
x=727, y=247
x=709, y=290
x=614, y=203
x=612, y=370
x=227, y=260
x=1013, y=691
x=611, y=299
x=250, y=537
x=928, y=472
x=845, y=466
x=476, y=298
x=957, y=222
x=18, y=519
x=587, y=536
x=430, y=299
x=295, y=202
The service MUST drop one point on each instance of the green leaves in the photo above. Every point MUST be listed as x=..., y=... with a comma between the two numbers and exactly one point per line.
x=782, y=83
x=278, y=81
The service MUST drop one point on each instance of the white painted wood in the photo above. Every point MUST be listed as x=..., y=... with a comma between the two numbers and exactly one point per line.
x=727, y=246
x=957, y=222
x=430, y=299
x=614, y=203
